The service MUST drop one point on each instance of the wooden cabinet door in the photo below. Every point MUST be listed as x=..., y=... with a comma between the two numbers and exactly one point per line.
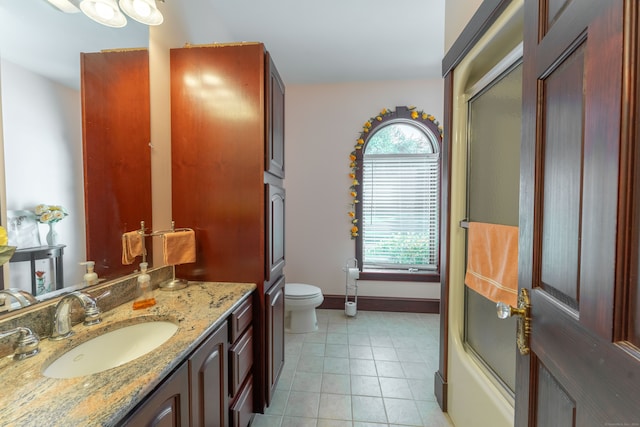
x=168, y=406
x=275, y=232
x=116, y=133
x=274, y=149
x=274, y=301
x=579, y=215
x=208, y=375
x=217, y=159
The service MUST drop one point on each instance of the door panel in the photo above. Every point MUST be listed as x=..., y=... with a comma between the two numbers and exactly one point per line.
x=275, y=120
x=275, y=232
x=578, y=249
x=562, y=178
x=274, y=301
x=555, y=407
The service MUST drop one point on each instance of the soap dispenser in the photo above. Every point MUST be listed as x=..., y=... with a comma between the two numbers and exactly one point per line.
x=144, y=296
x=90, y=277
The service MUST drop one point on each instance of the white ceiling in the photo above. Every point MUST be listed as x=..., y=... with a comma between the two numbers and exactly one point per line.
x=330, y=41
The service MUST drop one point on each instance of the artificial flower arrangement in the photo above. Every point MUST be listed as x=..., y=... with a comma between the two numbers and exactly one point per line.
x=6, y=252
x=353, y=158
x=48, y=214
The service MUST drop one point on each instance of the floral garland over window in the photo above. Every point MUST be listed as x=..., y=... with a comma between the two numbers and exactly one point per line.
x=353, y=158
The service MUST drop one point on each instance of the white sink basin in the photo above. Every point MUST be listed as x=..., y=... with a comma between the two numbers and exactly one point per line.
x=111, y=349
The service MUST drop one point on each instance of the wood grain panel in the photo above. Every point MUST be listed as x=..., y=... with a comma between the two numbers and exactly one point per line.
x=275, y=122
x=274, y=300
x=601, y=173
x=117, y=160
x=217, y=97
x=563, y=94
x=442, y=374
x=600, y=377
x=555, y=407
x=567, y=30
x=168, y=405
x=208, y=376
x=220, y=97
x=275, y=238
x=554, y=10
x=576, y=348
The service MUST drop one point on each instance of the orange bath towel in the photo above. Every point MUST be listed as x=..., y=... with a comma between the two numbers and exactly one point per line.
x=132, y=246
x=492, y=261
x=179, y=247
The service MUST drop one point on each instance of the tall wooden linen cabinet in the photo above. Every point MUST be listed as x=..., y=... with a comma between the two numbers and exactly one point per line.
x=227, y=120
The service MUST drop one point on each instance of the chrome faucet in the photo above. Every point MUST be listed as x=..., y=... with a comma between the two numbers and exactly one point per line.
x=27, y=344
x=24, y=298
x=62, y=317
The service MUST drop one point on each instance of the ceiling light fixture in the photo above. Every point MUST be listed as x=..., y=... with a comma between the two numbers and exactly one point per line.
x=105, y=12
x=144, y=11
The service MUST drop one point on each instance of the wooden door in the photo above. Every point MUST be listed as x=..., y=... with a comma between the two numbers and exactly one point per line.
x=579, y=215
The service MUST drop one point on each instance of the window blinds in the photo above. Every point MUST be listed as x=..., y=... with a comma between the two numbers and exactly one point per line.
x=400, y=211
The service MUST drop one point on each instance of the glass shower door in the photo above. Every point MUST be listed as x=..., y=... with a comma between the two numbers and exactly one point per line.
x=493, y=178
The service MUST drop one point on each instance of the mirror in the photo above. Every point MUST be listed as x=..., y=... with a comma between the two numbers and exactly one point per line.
x=42, y=128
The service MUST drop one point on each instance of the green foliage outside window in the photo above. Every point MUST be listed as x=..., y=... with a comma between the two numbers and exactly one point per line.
x=401, y=248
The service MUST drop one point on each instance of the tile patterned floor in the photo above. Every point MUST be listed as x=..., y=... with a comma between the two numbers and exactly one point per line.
x=372, y=370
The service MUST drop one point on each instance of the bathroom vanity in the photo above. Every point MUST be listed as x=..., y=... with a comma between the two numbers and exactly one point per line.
x=202, y=375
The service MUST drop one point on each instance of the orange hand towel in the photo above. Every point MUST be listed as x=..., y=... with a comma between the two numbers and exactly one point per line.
x=492, y=261
x=179, y=247
x=132, y=246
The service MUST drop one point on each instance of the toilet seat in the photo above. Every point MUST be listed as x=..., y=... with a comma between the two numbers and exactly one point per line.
x=298, y=291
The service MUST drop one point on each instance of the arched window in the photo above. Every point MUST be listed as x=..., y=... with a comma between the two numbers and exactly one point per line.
x=397, y=193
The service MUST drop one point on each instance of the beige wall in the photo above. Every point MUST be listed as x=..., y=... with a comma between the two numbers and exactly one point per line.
x=322, y=123
x=457, y=14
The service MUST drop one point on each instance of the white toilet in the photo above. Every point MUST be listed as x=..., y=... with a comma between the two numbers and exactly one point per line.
x=300, y=302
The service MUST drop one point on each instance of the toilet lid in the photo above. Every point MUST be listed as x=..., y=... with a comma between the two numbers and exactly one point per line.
x=300, y=290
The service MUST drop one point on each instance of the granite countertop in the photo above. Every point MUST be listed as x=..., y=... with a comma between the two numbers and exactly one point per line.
x=31, y=399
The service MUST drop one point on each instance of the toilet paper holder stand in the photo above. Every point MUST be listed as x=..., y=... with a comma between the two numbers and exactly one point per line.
x=351, y=287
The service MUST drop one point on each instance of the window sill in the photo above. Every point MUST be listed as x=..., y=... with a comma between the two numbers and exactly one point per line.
x=400, y=276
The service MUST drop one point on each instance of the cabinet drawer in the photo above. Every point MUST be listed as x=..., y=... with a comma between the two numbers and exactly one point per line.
x=241, y=411
x=241, y=318
x=241, y=357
